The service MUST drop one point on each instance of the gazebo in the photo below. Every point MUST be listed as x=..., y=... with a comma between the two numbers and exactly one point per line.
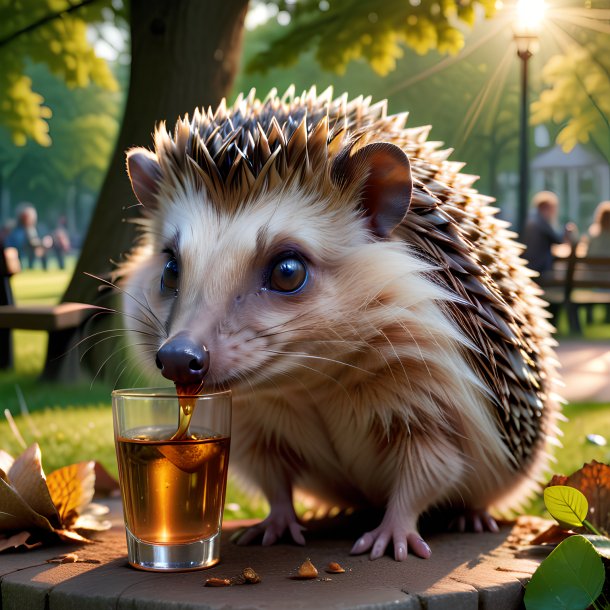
x=581, y=179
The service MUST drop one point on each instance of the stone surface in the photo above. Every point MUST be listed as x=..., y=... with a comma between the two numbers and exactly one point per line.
x=466, y=572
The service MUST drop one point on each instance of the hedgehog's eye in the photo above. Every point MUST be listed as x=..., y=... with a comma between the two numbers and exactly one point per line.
x=169, y=277
x=288, y=274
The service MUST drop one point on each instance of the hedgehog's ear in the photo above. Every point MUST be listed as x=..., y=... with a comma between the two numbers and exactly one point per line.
x=145, y=175
x=385, y=172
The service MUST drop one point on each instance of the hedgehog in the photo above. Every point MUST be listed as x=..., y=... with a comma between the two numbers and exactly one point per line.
x=385, y=343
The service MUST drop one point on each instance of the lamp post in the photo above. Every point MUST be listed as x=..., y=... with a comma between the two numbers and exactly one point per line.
x=526, y=27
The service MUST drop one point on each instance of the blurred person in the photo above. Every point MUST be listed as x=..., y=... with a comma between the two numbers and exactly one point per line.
x=599, y=231
x=61, y=242
x=541, y=233
x=26, y=239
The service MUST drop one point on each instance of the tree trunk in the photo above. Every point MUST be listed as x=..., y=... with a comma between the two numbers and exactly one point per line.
x=183, y=55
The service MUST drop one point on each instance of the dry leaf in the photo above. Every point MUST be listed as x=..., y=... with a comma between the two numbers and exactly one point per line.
x=16, y=514
x=593, y=480
x=105, y=483
x=39, y=509
x=17, y=540
x=553, y=535
x=72, y=488
x=6, y=461
x=27, y=477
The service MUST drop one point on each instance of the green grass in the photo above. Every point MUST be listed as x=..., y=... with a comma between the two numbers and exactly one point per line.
x=73, y=422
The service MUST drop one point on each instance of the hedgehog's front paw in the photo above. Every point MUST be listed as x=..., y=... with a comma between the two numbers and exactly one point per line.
x=281, y=520
x=474, y=520
x=404, y=539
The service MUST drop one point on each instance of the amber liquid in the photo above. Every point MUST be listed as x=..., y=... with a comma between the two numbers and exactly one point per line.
x=173, y=490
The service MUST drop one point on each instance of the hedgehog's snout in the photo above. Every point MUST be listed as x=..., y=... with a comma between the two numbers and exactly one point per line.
x=182, y=360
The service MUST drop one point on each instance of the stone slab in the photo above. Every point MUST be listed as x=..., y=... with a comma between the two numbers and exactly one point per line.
x=466, y=572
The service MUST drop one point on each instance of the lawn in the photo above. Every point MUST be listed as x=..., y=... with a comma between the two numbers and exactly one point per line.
x=73, y=422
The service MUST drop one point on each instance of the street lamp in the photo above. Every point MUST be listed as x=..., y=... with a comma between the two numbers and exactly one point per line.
x=526, y=28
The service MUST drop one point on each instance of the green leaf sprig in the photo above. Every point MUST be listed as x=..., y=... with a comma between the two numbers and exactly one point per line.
x=573, y=575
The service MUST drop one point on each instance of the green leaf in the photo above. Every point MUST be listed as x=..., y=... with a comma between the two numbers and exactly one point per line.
x=570, y=578
x=566, y=504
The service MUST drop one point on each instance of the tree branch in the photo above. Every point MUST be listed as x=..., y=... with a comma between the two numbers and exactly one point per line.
x=43, y=21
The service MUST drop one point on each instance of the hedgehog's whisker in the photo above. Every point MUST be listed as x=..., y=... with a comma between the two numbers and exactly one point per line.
x=146, y=310
x=314, y=357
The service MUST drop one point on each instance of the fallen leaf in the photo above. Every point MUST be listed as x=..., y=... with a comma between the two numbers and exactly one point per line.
x=36, y=510
x=593, y=480
x=17, y=540
x=71, y=489
x=105, y=483
x=553, y=535
x=27, y=477
x=16, y=514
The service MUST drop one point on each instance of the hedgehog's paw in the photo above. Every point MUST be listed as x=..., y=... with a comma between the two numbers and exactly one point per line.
x=474, y=520
x=281, y=520
x=404, y=538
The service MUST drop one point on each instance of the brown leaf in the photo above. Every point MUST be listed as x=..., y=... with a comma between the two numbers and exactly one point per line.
x=71, y=489
x=6, y=461
x=16, y=514
x=27, y=477
x=558, y=479
x=553, y=535
x=593, y=480
x=70, y=536
x=17, y=540
x=105, y=483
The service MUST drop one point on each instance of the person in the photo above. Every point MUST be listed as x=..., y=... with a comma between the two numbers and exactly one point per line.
x=540, y=233
x=599, y=231
x=25, y=237
x=61, y=242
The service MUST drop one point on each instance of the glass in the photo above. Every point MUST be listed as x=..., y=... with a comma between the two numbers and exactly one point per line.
x=173, y=475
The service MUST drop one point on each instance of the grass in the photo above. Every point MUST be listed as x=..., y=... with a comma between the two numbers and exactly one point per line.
x=73, y=422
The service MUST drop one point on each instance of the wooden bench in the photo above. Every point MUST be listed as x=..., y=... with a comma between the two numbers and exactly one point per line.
x=589, y=285
x=59, y=319
x=577, y=281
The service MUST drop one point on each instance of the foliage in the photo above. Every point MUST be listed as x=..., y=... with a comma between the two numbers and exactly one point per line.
x=343, y=30
x=573, y=575
x=578, y=97
x=471, y=106
x=83, y=129
x=54, y=33
x=567, y=505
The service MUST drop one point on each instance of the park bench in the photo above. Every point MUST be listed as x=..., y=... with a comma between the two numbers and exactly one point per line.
x=61, y=320
x=577, y=281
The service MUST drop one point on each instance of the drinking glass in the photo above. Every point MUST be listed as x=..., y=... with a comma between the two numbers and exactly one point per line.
x=172, y=453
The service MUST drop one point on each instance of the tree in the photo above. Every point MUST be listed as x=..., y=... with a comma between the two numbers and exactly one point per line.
x=185, y=54
x=50, y=32
x=343, y=30
x=578, y=97
x=83, y=130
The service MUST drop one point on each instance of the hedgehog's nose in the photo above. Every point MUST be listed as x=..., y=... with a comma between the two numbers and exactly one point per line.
x=183, y=361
